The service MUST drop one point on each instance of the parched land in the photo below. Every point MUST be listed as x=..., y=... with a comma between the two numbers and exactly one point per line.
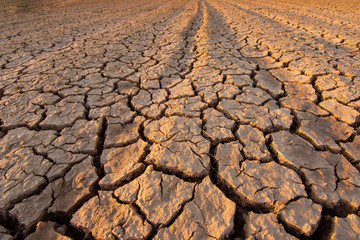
x=179, y=119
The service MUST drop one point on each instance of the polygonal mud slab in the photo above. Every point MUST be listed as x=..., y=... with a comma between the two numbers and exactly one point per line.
x=285, y=75
x=330, y=177
x=253, y=95
x=291, y=102
x=22, y=170
x=342, y=112
x=5, y=234
x=62, y=114
x=264, y=226
x=265, y=118
x=253, y=141
x=323, y=132
x=32, y=209
x=269, y=83
x=118, y=135
x=352, y=149
x=257, y=184
x=159, y=196
x=185, y=107
x=346, y=228
x=178, y=146
x=24, y=109
x=116, y=113
x=75, y=187
x=122, y=164
x=300, y=91
x=217, y=126
x=105, y=218
x=302, y=216
x=82, y=137
x=209, y=215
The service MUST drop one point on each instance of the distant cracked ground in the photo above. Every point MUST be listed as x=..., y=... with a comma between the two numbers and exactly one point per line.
x=192, y=119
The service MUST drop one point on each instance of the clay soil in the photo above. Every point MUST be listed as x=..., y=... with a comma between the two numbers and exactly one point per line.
x=179, y=119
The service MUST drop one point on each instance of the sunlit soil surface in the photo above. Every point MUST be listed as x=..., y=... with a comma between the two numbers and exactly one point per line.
x=179, y=119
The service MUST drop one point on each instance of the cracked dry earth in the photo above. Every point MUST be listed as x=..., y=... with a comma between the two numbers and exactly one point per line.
x=180, y=119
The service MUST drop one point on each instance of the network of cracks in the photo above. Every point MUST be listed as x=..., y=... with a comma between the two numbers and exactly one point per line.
x=194, y=119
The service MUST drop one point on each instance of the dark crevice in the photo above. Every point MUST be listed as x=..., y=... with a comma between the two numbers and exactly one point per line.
x=325, y=228
x=239, y=223
x=100, y=147
x=71, y=231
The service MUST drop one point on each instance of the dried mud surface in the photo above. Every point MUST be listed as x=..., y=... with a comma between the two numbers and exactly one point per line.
x=191, y=119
